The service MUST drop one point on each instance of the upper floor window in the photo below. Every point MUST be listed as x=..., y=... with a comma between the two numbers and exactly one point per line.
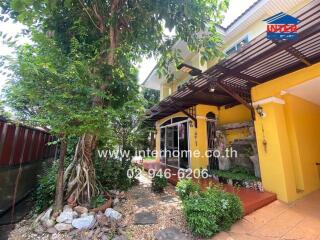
x=238, y=45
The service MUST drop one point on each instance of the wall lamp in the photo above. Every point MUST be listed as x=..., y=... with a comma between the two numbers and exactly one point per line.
x=212, y=88
x=189, y=69
x=260, y=111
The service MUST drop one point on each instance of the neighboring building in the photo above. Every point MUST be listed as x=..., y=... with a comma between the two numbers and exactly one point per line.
x=264, y=92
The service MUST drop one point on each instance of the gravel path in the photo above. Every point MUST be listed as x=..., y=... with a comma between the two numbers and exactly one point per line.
x=165, y=209
x=166, y=206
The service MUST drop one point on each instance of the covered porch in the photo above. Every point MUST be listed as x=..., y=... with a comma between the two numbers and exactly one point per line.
x=251, y=96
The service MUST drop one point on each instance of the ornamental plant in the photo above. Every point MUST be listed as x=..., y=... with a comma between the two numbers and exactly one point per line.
x=159, y=182
x=186, y=187
x=212, y=211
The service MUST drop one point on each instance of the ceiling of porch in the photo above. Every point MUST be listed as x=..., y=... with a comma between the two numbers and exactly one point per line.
x=309, y=91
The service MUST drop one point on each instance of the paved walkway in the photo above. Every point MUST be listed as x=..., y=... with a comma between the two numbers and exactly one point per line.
x=299, y=220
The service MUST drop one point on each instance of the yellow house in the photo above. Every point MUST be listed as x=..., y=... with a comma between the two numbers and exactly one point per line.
x=264, y=90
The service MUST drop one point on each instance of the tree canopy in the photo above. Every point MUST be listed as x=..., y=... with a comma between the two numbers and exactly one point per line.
x=78, y=75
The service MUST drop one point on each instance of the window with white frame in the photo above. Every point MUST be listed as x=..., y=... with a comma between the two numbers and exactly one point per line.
x=238, y=45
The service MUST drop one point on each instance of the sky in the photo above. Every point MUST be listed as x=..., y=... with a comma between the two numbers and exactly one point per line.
x=236, y=7
x=145, y=67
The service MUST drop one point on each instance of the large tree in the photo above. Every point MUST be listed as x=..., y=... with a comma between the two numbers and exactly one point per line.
x=113, y=34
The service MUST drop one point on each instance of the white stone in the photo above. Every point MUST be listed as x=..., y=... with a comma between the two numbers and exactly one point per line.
x=65, y=217
x=62, y=227
x=113, y=214
x=75, y=214
x=47, y=215
x=84, y=222
x=67, y=208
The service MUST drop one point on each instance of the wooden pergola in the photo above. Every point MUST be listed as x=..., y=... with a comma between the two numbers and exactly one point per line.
x=259, y=61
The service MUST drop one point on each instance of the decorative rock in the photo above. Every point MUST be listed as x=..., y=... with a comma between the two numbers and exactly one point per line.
x=145, y=218
x=63, y=227
x=48, y=223
x=84, y=215
x=65, y=217
x=46, y=216
x=113, y=214
x=171, y=233
x=80, y=210
x=67, y=208
x=84, y=222
x=75, y=214
x=52, y=230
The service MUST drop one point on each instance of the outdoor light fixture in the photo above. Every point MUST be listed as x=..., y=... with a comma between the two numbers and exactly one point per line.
x=260, y=111
x=189, y=69
x=212, y=88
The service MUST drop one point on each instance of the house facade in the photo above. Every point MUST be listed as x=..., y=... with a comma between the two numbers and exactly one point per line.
x=265, y=95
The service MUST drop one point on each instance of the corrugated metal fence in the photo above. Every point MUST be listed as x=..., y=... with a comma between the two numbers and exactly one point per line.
x=24, y=155
x=22, y=144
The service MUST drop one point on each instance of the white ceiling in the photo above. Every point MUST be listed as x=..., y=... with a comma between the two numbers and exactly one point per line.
x=309, y=91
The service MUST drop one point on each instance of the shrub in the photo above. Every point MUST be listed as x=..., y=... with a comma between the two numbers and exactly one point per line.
x=44, y=194
x=186, y=187
x=237, y=173
x=97, y=201
x=212, y=211
x=112, y=173
x=159, y=182
x=45, y=191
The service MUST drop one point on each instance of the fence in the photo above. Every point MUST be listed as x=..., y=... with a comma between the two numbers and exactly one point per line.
x=24, y=155
x=22, y=144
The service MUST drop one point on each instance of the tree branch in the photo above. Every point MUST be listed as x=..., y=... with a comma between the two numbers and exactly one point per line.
x=85, y=9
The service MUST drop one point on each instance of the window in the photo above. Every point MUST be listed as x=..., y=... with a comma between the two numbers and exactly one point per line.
x=238, y=45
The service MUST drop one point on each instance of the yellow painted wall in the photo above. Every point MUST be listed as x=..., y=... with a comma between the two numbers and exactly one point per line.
x=275, y=156
x=291, y=131
x=198, y=136
x=235, y=114
x=303, y=118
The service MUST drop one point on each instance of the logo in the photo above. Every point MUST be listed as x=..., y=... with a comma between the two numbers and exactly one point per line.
x=282, y=27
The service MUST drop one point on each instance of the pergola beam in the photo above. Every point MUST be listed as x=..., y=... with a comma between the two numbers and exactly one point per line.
x=230, y=72
x=233, y=94
x=297, y=54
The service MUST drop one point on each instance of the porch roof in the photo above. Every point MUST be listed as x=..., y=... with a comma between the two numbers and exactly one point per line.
x=259, y=61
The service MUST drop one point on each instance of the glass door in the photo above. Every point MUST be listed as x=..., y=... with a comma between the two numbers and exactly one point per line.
x=183, y=145
x=172, y=146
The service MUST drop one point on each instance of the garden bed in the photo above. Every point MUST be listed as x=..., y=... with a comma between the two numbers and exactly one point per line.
x=238, y=177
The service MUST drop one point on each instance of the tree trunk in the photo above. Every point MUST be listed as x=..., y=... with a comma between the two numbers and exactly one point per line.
x=58, y=205
x=82, y=184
